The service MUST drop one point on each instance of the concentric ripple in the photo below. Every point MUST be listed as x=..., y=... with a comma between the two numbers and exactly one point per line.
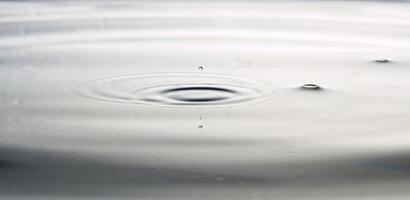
x=172, y=89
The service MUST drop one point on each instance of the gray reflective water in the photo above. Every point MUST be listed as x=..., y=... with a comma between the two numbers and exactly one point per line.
x=204, y=100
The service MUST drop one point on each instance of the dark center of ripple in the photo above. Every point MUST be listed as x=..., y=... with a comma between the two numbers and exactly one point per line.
x=199, y=94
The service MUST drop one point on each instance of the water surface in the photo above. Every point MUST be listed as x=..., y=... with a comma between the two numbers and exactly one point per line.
x=204, y=100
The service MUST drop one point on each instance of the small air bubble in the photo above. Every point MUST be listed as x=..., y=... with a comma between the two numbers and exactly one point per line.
x=311, y=86
x=381, y=60
x=201, y=68
x=200, y=126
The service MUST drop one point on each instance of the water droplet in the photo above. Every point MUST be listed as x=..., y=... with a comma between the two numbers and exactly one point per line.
x=311, y=86
x=381, y=60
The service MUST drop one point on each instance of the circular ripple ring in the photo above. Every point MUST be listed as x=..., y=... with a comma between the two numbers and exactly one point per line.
x=172, y=89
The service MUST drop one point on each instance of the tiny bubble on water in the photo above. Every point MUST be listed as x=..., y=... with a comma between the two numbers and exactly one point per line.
x=382, y=60
x=311, y=86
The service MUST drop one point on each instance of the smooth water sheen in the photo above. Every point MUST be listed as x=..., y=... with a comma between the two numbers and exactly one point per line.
x=204, y=99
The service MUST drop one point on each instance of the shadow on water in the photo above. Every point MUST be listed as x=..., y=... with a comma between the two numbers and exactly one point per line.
x=24, y=171
x=5, y=165
x=67, y=173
